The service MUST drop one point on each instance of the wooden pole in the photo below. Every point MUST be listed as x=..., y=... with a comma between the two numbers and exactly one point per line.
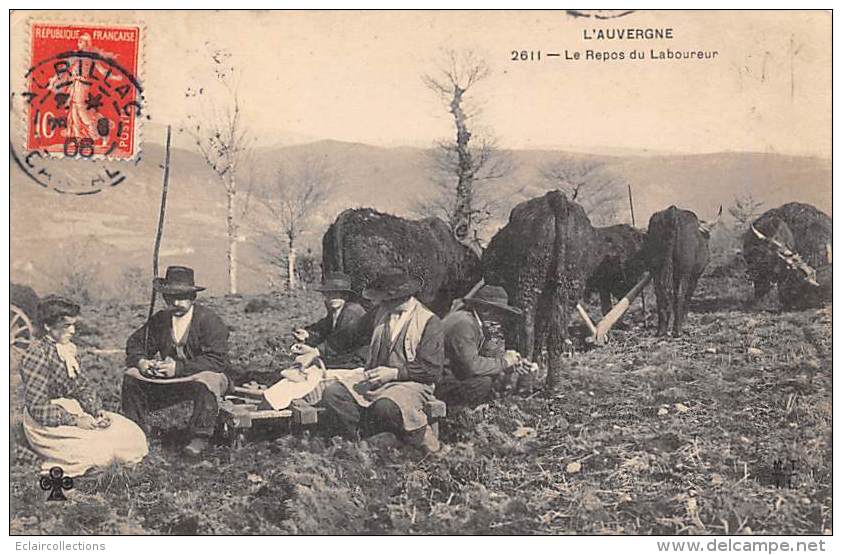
x=642, y=297
x=459, y=303
x=619, y=309
x=160, y=231
x=587, y=319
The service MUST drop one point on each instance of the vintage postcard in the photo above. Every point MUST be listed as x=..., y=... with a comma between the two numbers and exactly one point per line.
x=422, y=273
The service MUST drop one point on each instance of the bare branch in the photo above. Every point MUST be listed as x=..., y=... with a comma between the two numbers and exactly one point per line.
x=745, y=209
x=589, y=184
x=293, y=197
x=458, y=73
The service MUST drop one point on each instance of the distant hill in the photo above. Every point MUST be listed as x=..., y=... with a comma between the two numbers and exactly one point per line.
x=122, y=221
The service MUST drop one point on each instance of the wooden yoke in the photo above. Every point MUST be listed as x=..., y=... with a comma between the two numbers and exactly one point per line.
x=792, y=259
x=619, y=309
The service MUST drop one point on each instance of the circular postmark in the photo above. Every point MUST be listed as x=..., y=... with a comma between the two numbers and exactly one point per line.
x=82, y=108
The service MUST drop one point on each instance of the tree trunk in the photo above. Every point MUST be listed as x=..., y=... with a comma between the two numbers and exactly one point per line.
x=291, y=263
x=463, y=210
x=232, y=241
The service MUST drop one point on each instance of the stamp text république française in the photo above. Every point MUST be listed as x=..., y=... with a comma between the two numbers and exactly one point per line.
x=42, y=32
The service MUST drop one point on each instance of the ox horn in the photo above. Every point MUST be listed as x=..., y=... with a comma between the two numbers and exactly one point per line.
x=707, y=227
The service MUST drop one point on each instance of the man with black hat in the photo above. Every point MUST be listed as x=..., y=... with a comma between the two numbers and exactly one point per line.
x=333, y=334
x=475, y=352
x=403, y=363
x=180, y=354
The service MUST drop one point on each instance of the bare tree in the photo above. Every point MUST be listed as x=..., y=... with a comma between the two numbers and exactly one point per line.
x=586, y=182
x=293, y=198
x=745, y=210
x=462, y=165
x=222, y=139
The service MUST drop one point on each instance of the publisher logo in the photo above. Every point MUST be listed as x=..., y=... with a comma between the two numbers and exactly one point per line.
x=56, y=482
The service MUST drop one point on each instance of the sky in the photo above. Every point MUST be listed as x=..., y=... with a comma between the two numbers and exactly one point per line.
x=356, y=76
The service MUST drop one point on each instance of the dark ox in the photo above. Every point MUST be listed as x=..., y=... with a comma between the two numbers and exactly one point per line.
x=791, y=246
x=619, y=270
x=676, y=253
x=361, y=242
x=542, y=257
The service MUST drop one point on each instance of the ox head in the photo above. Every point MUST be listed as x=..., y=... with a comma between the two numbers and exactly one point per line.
x=705, y=227
x=791, y=258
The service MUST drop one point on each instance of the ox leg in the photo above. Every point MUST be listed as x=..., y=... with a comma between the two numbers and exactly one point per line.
x=762, y=287
x=527, y=333
x=680, y=306
x=691, y=288
x=541, y=324
x=605, y=301
x=663, y=308
x=541, y=328
x=526, y=346
x=557, y=333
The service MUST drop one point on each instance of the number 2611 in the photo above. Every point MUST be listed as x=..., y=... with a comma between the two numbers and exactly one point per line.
x=525, y=55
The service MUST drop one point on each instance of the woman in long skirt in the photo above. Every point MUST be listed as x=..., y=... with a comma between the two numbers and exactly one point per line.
x=63, y=417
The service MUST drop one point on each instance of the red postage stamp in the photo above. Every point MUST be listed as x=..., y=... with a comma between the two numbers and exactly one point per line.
x=83, y=91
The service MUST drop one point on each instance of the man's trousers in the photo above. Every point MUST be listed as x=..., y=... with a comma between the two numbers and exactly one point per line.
x=139, y=398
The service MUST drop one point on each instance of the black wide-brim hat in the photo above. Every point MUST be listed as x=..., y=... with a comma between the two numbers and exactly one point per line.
x=335, y=282
x=177, y=281
x=392, y=283
x=493, y=296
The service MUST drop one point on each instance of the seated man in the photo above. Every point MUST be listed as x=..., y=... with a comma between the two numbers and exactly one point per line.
x=405, y=357
x=333, y=334
x=180, y=354
x=475, y=354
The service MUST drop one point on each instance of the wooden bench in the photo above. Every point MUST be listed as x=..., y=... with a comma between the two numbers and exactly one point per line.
x=435, y=411
x=239, y=411
x=245, y=406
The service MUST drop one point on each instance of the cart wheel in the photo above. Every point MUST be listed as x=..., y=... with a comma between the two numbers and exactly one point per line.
x=20, y=333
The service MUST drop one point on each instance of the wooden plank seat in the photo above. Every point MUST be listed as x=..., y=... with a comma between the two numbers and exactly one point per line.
x=239, y=410
x=435, y=411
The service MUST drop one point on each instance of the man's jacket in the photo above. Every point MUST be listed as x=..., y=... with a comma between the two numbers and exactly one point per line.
x=205, y=346
x=417, y=351
x=463, y=343
x=337, y=343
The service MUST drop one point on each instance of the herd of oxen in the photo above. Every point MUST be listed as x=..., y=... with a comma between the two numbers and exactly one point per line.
x=549, y=256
